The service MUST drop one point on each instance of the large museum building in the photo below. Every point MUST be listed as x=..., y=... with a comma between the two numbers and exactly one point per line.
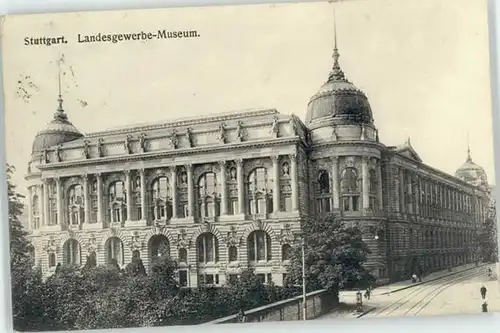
x=228, y=192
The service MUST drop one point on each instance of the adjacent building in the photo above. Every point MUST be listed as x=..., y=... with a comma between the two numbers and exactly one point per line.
x=227, y=192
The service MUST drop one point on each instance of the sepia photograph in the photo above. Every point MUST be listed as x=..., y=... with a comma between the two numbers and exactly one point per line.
x=250, y=163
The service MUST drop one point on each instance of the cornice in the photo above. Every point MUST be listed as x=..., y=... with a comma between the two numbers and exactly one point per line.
x=169, y=153
x=372, y=144
x=184, y=122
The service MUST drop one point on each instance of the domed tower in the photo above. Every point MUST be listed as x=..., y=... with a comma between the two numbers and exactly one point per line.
x=472, y=173
x=346, y=160
x=56, y=132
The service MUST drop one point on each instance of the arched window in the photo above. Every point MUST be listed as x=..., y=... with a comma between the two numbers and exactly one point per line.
x=286, y=251
x=162, y=199
x=94, y=195
x=349, y=189
x=323, y=193
x=72, y=252
x=114, y=251
x=208, y=248
x=209, y=196
x=159, y=246
x=259, y=246
x=52, y=259
x=53, y=218
x=76, y=205
x=183, y=255
x=373, y=189
x=35, y=209
x=233, y=254
x=117, y=202
x=260, y=200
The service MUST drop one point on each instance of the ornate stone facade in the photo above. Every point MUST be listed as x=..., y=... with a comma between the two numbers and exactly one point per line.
x=226, y=192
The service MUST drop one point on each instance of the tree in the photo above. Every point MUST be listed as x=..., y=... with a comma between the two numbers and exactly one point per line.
x=334, y=256
x=26, y=282
x=488, y=241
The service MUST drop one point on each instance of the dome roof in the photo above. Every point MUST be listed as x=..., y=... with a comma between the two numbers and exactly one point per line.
x=59, y=130
x=338, y=101
x=472, y=173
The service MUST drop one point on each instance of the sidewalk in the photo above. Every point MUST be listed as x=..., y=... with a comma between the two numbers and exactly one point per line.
x=402, y=285
x=347, y=306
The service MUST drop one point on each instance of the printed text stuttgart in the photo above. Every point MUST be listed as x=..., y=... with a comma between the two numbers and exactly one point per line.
x=136, y=36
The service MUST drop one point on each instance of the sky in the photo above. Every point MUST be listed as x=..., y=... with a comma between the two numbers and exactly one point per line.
x=423, y=64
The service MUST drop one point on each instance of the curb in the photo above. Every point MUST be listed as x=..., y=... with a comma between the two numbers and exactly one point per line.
x=431, y=280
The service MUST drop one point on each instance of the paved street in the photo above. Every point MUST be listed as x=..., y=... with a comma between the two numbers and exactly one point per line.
x=455, y=294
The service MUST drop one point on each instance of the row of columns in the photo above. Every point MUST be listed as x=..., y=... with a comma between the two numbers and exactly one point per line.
x=446, y=197
x=44, y=202
x=365, y=183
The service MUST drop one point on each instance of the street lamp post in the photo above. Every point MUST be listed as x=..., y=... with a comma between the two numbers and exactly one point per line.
x=304, y=295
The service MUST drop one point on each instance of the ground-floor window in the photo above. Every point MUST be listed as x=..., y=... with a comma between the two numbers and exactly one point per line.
x=183, y=278
x=209, y=279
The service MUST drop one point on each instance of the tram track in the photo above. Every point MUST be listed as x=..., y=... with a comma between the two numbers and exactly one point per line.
x=429, y=291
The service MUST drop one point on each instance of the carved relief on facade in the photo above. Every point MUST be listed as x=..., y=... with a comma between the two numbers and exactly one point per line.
x=232, y=238
x=51, y=245
x=182, y=239
x=239, y=132
x=286, y=235
x=189, y=137
x=127, y=145
x=222, y=135
x=58, y=154
x=174, y=139
x=92, y=244
x=274, y=130
x=293, y=125
x=142, y=142
x=335, y=135
x=44, y=157
x=135, y=243
x=86, y=149
x=100, y=147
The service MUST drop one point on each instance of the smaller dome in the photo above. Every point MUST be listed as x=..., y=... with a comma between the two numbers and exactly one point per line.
x=472, y=173
x=58, y=131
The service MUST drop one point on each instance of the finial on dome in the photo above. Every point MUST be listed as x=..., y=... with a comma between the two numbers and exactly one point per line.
x=469, y=158
x=336, y=74
x=60, y=115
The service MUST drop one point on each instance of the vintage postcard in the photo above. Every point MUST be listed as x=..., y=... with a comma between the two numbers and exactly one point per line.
x=249, y=163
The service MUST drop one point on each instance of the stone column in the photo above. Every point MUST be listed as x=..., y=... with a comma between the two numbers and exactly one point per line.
x=128, y=195
x=41, y=213
x=98, y=177
x=335, y=183
x=223, y=188
x=366, y=184
x=30, y=208
x=59, y=201
x=143, y=195
x=189, y=169
x=402, y=199
x=86, y=198
x=379, y=187
x=46, y=214
x=241, y=186
x=294, y=181
x=276, y=187
x=173, y=182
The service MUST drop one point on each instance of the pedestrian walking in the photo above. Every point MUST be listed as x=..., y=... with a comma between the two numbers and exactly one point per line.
x=483, y=291
x=368, y=293
x=414, y=278
x=484, y=306
x=241, y=316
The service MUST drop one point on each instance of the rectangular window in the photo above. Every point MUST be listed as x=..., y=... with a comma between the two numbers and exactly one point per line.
x=262, y=277
x=183, y=278
x=233, y=207
x=347, y=206
x=269, y=278
x=355, y=203
x=233, y=277
x=209, y=279
x=251, y=204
